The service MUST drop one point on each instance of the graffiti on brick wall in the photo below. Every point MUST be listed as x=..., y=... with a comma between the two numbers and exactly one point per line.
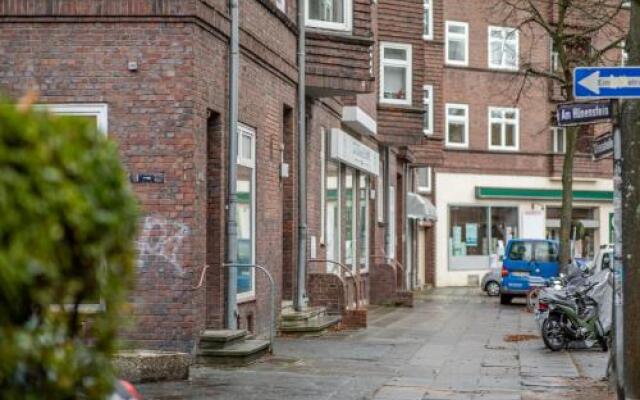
x=160, y=244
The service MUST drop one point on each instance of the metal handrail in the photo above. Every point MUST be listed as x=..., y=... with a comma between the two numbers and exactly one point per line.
x=347, y=270
x=272, y=284
x=395, y=264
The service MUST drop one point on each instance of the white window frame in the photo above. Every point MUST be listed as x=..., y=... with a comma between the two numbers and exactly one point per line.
x=419, y=188
x=98, y=110
x=506, y=31
x=554, y=131
x=428, y=17
x=428, y=101
x=457, y=36
x=249, y=163
x=503, y=122
x=407, y=64
x=464, y=119
x=282, y=5
x=347, y=25
x=101, y=112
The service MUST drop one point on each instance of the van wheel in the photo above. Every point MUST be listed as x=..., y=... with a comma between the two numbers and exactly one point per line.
x=505, y=299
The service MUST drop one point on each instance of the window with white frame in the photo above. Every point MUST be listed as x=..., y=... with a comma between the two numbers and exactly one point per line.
x=457, y=43
x=396, y=78
x=423, y=179
x=457, y=125
x=427, y=33
x=246, y=210
x=94, y=112
x=503, y=48
x=503, y=128
x=329, y=14
x=559, y=139
x=427, y=105
x=282, y=5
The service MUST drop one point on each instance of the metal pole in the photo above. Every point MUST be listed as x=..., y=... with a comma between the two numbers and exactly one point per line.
x=301, y=295
x=617, y=251
x=232, y=168
x=387, y=204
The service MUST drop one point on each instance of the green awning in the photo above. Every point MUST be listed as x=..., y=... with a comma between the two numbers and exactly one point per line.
x=541, y=194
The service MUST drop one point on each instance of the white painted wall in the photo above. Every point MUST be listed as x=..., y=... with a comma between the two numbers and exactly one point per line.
x=459, y=189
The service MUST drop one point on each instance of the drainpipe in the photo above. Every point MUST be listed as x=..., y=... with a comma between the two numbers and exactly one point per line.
x=386, y=202
x=406, y=230
x=232, y=168
x=299, y=302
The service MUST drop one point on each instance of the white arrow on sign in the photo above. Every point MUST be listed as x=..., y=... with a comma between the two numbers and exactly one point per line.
x=595, y=83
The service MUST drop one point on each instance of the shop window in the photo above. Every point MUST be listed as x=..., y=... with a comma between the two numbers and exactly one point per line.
x=503, y=48
x=363, y=222
x=457, y=43
x=245, y=211
x=392, y=223
x=423, y=179
x=329, y=14
x=559, y=140
x=396, y=73
x=457, y=117
x=476, y=233
x=323, y=182
x=428, y=20
x=350, y=217
x=427, y=105
x=332, y=215
x=503, y=128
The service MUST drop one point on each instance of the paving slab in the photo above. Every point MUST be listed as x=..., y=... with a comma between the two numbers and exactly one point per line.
x=450, y=346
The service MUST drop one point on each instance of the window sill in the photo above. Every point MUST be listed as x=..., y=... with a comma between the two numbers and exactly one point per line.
x=456, y=63
x=246, y=298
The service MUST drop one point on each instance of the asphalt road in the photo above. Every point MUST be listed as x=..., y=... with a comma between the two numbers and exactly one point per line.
x=455, y=344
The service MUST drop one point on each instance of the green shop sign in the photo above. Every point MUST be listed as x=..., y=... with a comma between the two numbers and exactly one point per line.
x=541, y=194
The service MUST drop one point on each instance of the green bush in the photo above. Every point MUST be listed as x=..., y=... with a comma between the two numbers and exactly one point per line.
x=67, y=228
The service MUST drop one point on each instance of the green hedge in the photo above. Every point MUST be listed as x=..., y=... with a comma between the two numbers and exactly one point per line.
x=67, y=228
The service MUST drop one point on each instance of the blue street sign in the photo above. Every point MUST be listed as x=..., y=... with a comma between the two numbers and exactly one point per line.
x=606, y=82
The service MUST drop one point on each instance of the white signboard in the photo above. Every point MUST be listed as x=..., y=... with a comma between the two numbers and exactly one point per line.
x=354, y=153
x=533, y=224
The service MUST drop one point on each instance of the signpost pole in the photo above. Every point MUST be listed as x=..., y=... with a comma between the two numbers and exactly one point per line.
x=617, y=252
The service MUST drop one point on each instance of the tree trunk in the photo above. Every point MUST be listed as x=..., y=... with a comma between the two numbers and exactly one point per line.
x=631, y=222
x=567, y=200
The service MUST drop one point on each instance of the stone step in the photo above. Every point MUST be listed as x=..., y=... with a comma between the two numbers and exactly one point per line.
x=312, y=326
x=238, y=354
x=218, y=339
x=306, y=314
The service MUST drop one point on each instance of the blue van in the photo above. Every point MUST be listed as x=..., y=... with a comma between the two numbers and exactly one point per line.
x=527, y=259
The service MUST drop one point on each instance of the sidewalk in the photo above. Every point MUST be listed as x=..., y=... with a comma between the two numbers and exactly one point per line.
x=456, y=344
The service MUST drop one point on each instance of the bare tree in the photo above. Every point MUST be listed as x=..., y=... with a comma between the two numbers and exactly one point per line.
x=579, y=33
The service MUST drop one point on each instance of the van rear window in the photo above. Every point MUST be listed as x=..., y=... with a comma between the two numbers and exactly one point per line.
x=521, y=251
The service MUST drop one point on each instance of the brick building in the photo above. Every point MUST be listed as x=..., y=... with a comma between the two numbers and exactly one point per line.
x=502, y=156
x=154, y=75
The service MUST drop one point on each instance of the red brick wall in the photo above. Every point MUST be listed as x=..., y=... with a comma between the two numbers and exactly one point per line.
x=159, y=117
